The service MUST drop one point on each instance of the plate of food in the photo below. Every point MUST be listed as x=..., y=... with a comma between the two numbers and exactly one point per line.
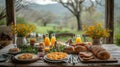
x=26, y=57
x=14, y=50
x=56, y=57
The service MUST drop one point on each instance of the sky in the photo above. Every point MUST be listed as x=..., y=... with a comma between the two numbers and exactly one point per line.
x=45, y=2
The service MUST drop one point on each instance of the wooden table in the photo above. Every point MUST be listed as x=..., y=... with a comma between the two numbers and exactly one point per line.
x=112, y=48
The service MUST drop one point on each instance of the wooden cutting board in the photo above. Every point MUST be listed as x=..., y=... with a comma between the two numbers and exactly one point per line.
x=95, y=60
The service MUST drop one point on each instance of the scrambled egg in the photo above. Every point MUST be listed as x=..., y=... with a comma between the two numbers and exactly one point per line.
x=57, y=55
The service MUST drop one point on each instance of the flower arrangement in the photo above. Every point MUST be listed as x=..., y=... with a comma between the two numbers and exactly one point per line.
x=96, y=31
x=22, y=30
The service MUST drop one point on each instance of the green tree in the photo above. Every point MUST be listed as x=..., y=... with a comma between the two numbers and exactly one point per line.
x=20, y=20
x=46, y=17
x=77, y=6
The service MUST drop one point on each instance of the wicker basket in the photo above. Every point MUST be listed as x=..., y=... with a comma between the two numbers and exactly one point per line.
x=4, y=43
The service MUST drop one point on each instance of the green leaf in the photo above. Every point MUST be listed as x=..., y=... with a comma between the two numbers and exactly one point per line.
x=28, y=48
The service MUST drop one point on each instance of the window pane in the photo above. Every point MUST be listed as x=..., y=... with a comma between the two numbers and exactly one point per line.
x=117, y=16
x=2, y=12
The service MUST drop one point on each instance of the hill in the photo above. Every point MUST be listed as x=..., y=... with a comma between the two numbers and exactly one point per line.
x=54, y=8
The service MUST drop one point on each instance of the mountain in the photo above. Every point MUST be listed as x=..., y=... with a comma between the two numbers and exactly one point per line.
x=54, y=8
x=58, y=9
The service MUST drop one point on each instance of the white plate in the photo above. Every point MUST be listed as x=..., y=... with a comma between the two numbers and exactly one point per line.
x=34, y=58
x=55, y=61
x=15, y=52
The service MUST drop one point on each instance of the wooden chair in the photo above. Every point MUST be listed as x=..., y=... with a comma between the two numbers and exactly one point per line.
x=65, y=34
x=4, y=28
x=5, y=36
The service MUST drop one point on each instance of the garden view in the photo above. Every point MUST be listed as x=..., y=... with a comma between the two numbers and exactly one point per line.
x=59, y=33
x=51, y=16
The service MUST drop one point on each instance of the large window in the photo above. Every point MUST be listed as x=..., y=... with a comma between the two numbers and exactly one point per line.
x=50, y=15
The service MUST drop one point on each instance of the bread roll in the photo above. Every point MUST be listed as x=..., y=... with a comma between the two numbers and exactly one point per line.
x=88, y=43
x=80, y=48
x=80, y=44
x=69, y=49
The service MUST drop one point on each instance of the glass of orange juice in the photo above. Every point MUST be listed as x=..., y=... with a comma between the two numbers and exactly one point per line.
x=47, y=41
x=78, y=39
x=53, y=39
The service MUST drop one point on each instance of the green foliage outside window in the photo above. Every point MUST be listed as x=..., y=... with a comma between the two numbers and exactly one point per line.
x=117, y=39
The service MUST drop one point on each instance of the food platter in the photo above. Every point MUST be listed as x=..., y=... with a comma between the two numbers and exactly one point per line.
x=35, y=57
x=95, y=60
x=89, y=57
x=56, y=57
x=56, y=61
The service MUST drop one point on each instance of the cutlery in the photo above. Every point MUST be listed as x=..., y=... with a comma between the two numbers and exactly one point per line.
x=9, y=56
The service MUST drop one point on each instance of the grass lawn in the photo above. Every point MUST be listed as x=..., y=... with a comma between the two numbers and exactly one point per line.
x=44, y=30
